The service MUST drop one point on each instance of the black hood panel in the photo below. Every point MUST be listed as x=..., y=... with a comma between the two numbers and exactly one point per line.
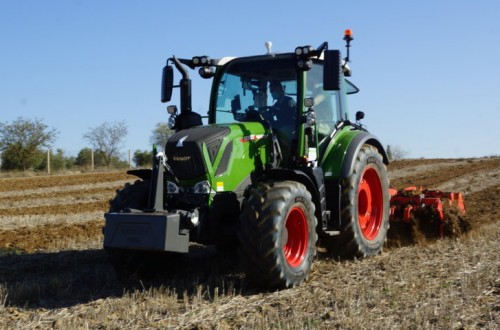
x=184, y=150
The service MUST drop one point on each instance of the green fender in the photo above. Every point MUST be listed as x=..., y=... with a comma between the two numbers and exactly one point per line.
x=338, y=159
x=337, y=163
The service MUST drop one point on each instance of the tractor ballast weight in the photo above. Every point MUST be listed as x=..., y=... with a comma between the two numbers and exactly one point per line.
x=278, y=170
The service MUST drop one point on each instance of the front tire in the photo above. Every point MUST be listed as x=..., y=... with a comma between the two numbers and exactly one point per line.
x=278, y=234
x=364, y=207
x=132, y=196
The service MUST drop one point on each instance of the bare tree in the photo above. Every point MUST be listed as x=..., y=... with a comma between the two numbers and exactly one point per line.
x=21, y=142
x=107, y=138
x=160, y=134
x=396, y=152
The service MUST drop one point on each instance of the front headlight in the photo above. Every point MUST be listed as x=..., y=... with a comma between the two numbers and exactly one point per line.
x=202, y=187
x=172, y=188
x=171, y=122
x=310, y=118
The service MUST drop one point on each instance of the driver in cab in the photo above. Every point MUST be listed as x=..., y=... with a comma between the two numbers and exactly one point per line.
x=284, y=106
x=284, y=109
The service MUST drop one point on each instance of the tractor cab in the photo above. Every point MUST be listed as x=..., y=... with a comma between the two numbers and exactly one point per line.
x=292, y=103
x=298, y=97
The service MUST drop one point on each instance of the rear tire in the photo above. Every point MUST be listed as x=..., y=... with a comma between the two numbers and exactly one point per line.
x=278, y=234
x=364, y=207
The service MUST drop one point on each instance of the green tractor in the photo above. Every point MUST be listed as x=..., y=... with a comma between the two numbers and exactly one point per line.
x=279, y=169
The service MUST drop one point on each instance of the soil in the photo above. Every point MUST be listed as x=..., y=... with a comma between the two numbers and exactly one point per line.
x=52, y=266
x=56, y=206
x=65, y=196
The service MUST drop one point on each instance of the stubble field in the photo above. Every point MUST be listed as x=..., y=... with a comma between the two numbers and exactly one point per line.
x=54, y=274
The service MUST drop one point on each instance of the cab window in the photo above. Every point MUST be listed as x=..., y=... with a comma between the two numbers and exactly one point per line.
x=326, y=103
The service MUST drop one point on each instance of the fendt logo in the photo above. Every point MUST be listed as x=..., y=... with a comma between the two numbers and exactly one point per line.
x=181, y=158
x=180, y=143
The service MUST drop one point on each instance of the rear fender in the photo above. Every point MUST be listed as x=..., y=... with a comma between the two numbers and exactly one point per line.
x=339, y=158
x=352, y=151
x=338, y=163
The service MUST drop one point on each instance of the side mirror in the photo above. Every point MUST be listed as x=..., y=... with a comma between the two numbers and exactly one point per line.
x=360, y=115
x=167, y=83
x=332, y=70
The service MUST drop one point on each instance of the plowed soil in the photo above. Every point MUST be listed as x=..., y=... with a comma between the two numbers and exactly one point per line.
x=57, y=206
x=64, y=198
x=53, y=224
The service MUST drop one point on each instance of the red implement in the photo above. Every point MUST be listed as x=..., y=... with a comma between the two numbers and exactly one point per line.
x=405, y=201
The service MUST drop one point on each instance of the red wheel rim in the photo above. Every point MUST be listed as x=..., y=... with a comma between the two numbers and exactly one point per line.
x=295, y=237
x=370, y=203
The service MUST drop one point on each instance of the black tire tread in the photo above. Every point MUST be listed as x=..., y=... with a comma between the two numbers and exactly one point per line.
x=350, y=243
x=260, y=232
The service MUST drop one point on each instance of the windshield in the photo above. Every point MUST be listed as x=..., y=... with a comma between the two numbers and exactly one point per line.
x=257, y=89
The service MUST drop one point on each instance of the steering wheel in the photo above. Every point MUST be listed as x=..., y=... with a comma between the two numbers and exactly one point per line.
x=268, y=113
x=252, y=113
x=255, y=113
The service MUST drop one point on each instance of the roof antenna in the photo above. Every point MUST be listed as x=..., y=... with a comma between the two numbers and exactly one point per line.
x=269, y=46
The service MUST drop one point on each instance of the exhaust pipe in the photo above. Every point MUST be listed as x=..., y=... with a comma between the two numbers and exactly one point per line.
x=185, y=85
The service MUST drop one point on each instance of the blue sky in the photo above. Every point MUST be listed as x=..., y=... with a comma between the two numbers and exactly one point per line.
x=428, y=70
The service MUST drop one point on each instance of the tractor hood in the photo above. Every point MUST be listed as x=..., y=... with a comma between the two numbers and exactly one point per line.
x=228, y=153
x=186, y=149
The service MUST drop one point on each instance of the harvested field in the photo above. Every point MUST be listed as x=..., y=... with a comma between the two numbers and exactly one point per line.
x=54, y=274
